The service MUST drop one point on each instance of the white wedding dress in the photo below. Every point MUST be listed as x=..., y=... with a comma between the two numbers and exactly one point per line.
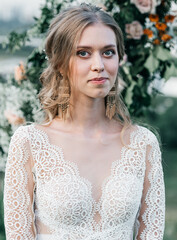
x=63, y=187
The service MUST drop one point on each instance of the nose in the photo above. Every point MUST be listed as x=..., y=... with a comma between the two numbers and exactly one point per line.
x=97, y=63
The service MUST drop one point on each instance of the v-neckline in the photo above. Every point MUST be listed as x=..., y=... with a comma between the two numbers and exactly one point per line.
x=96, y=203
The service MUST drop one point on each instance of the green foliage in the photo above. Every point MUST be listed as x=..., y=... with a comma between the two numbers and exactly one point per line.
x=17, y=40
x=36, y=62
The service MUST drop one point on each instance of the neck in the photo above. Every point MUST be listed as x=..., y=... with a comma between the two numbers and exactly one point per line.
x=89, y=114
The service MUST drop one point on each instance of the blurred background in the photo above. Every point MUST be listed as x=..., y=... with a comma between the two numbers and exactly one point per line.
x=160, y=112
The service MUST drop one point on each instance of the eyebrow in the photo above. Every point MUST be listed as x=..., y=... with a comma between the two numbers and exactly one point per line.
x=88, y=47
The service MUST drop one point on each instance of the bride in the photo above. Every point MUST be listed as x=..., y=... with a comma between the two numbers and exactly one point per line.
x=86, y=172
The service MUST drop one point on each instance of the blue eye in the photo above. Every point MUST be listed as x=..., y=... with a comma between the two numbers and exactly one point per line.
x=109, y=53
x=82, y=53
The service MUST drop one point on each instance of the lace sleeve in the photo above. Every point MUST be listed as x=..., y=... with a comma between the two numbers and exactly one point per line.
x=18, y=189
x=150, y=223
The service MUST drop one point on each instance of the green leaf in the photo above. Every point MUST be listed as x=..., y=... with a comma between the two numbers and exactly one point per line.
x=162, y=53
x=171, y=71
x=151, y=63
x=129, y=94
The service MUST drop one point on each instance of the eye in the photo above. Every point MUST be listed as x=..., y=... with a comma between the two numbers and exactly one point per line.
x=109, y=53
x=83, y=54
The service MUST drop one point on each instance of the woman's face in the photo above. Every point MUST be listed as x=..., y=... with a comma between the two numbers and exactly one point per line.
x=94, y=67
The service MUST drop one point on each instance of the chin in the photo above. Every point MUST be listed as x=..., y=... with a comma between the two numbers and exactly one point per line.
x=103, y=95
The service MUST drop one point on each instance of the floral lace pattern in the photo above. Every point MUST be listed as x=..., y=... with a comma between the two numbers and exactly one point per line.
x=18, y=218
x=64, y=207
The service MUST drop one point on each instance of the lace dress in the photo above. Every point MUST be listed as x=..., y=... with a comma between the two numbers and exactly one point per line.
x=49, y=195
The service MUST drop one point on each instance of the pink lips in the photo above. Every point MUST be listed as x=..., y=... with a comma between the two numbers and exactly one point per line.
x=98, y=80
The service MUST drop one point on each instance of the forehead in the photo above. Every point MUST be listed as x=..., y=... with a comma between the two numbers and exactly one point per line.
x=97, y=34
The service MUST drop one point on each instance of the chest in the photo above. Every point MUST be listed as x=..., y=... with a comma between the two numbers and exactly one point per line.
x=91, y=161
x=87, y=183
x=109, y=188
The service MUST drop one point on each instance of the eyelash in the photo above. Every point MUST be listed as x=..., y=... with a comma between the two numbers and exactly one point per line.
x=81, y=51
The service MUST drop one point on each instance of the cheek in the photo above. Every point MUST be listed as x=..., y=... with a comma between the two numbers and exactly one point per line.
x=113, y=68
x=77, y=72
x=81, y=68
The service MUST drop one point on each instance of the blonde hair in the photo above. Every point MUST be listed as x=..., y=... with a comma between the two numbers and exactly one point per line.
x=61, y=42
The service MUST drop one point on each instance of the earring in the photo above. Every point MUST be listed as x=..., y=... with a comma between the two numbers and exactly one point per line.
x=63, y=108
x=111, y=103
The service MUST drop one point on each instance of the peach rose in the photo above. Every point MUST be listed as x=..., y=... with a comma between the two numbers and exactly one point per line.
x=13, y=118
x=121, y=85
x=134, y=30
x=145, y=6
x=124, y=60
x=102, y=6
x=20, y=73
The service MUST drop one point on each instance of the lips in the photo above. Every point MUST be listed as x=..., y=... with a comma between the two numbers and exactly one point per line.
x=98, y=79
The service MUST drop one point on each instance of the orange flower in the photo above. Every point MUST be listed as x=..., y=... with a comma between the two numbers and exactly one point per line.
x=161, y=33
x=161, y=26
x=13, y=118
x=169, y=18
x=148, y=32
x=20, y=73
x=156, y=41
x=154, y=17
x=166, y=37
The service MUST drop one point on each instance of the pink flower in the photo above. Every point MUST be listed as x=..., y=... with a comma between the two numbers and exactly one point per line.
x=13, y=118
x=124, y=60
x=134, y=30
x=145, y=6
x=121, y=85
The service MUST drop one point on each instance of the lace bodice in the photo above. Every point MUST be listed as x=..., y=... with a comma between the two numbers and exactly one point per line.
x=47, y=197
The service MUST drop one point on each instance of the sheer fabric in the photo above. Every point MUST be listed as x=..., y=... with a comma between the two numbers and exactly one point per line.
x=58, y=186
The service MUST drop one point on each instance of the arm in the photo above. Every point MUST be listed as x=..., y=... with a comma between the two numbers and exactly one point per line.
x=18, y=189
x=152, y=211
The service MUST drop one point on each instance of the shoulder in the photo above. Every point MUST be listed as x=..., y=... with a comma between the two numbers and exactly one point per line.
x=148, y=134
x=21, y=134
x=144, y=136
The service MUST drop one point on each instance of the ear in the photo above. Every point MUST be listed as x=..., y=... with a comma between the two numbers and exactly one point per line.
x=60, y=72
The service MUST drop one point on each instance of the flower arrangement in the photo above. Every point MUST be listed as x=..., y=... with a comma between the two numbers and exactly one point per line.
x=149, y=28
